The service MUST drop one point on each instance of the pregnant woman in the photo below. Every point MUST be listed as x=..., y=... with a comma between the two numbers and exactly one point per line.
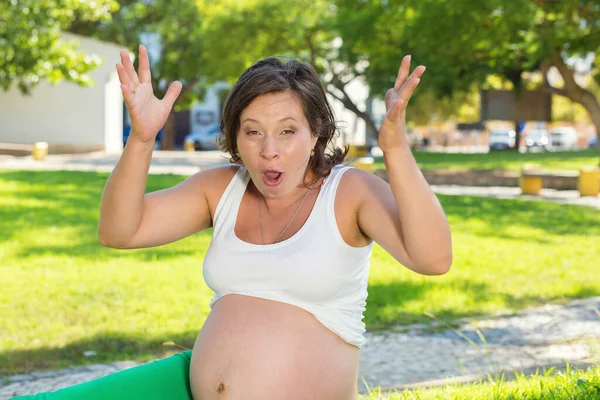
x=292, y=235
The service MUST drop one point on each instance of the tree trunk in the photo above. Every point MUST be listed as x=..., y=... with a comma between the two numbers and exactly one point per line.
x=517, y=137
x=575, y=93
x=168, y=137
x=349, y=104
x=590, y=103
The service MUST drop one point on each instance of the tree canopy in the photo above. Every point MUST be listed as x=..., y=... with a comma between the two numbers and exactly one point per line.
x=31, y=48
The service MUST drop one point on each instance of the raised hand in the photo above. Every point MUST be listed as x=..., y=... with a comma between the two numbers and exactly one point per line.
x=148, y=113
x=392, y=133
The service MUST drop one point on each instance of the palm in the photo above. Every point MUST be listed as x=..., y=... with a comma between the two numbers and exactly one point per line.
x=148, y=114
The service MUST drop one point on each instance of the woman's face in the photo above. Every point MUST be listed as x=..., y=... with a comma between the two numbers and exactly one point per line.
x=275, y=142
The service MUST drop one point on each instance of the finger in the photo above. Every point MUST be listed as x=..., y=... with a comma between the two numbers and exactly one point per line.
x=126, y=61
x=416, y=74
x=408, y=90
x=123, y=77
x=144, y=65
x=172, y=93
x=127, y=96
x=402, y=73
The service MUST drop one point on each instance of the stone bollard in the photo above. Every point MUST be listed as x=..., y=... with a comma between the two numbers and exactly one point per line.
x=531, y=179
x=40, y=151
x=189, y=146
x=365, y=163
x=356, y=151
x=589, y=182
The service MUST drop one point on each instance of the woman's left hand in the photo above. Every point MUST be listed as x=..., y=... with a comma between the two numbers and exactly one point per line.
x=392, y=133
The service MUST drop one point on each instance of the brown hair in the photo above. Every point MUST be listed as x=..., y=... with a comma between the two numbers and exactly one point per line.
x=272, y=75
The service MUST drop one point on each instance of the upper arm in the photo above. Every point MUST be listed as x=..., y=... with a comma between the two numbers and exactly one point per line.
x=377, y=216
x=182, y=210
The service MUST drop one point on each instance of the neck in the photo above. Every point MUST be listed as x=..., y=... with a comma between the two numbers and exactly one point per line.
x=289, y=201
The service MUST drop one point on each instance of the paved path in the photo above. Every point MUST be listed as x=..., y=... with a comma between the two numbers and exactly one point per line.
x=544, y=336
x=163, y=162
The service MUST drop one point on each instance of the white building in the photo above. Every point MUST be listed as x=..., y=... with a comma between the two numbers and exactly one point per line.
x=69, y=117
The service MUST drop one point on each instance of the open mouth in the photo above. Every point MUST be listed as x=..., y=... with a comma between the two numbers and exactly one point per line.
x=272, y=178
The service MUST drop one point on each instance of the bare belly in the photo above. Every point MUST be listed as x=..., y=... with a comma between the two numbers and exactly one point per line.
x=252, y=348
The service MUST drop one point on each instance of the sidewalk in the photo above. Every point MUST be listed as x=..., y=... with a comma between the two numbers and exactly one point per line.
x=413, y=356
x=163, y=162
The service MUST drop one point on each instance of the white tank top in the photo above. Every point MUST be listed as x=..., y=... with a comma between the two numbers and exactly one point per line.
x=314, y=269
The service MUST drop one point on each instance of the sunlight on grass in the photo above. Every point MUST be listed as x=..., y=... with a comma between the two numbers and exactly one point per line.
x=543, y=385
x=63, y=293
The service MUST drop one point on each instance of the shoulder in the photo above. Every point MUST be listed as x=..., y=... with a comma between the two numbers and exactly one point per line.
x=218, y=174
x=360, y=183
x=211, y=183
x=356, y=189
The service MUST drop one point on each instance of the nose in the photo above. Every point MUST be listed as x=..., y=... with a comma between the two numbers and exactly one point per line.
x=270, y=149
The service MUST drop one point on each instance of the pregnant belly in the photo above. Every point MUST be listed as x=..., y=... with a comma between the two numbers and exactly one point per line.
x=251, y=348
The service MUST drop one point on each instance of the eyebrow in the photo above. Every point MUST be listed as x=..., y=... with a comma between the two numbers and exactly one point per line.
x=281, y=120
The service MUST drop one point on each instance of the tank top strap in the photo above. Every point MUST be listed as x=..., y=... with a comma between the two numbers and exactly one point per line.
x=229, y=204
x=330, y=187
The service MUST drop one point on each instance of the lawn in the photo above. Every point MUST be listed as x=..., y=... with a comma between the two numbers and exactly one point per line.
x=504, y=160
x=63, y=294
x=547, y=385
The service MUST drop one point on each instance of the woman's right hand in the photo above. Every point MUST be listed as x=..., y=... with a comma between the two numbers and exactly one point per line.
x=148, y=114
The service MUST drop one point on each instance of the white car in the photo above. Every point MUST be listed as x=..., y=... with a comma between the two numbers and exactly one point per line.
x=500, y=140
x=205, y=139
x=537, y=140
x=564, y=137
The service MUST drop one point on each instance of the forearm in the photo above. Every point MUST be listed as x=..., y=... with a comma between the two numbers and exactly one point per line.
x=424, y=226
x=122, y=203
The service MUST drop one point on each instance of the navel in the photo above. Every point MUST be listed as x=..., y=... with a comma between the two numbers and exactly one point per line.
x=221, y=388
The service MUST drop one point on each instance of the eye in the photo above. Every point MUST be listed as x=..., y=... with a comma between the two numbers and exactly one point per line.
x=288, y=132
x=250, y=133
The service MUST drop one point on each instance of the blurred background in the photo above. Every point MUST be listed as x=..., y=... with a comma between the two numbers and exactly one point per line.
x=501, y=74
x=504, y=126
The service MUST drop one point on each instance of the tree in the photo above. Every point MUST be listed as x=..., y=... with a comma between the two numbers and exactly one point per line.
x=242, y=32
x=463, y=42
x=31, y=48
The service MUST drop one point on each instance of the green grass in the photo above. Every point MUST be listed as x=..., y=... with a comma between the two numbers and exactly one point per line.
x=504, y=160
x=62, y=293
x=566, y=385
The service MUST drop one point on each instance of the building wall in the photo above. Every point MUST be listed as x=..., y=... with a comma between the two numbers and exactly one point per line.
x=69, y=117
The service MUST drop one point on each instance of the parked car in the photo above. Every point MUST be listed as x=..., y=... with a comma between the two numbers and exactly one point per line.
x=563, y=138
x=593, y=142
x=205, y=139
x=537, y=139
x=501, y=140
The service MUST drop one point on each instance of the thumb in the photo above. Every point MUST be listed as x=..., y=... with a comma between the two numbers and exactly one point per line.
x=172, y=93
